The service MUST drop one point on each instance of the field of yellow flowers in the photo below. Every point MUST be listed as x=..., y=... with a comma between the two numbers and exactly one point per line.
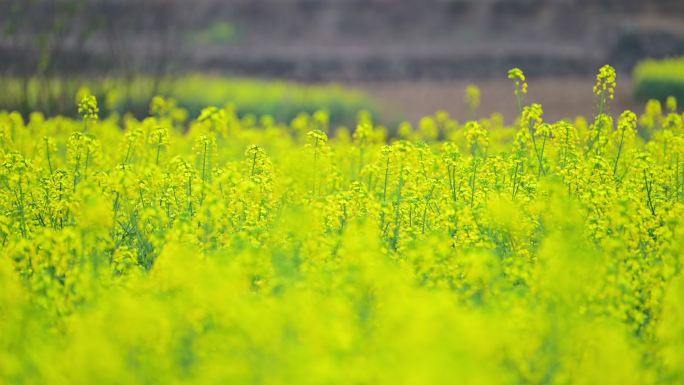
x=234, y=250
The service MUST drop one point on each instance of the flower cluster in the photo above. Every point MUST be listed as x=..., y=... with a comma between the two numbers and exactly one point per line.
x=87, y=107
x=606, y=81
x=247, y=250
x=518, y=78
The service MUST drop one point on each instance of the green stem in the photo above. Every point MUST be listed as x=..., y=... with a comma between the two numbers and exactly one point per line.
x=315, y=166
x=360, y=160
x=515, y=178
x=76, y=171
x=87, y=160
x=159, y=146
x=47, y=152
x=617, y=158
x=649, y=189
x=541, y=158
x=566, y=146
x=204, y=163
x=427, y=204
x=384, y=194
x=189, y=195
x=452, y=181
x=472, y=185
x=397, y=211
x=384, y=190
x=20, y=206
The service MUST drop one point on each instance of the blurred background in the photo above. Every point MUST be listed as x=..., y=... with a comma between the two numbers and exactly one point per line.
x=399, y=58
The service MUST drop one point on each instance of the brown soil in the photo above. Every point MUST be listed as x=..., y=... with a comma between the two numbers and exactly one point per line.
x=561, y=97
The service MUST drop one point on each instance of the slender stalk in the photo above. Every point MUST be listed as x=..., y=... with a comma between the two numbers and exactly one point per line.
x=649, y=188
x=361, y=153
x=315, y=166
x=20, y=207
x=427, y=204
x=87, y=160
x=76, y=170
x=47, y=153
x=204, y=163
x=159, y=146
x=515, y=178
x=384, y=190
x=384, y=193
x=397, y=211
x=617, y=158
x=472, y=184
x=541, y=158
x=253, y=163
